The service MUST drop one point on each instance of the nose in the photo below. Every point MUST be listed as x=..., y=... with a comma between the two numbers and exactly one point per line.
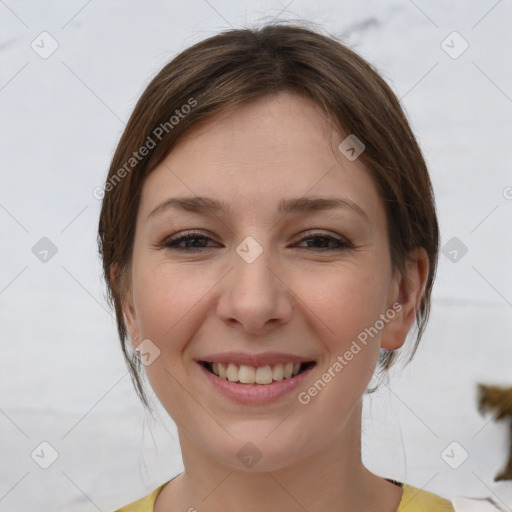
x=255, y=296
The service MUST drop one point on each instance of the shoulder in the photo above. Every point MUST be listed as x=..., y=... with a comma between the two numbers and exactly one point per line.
x=145, y=504
x=418, y=500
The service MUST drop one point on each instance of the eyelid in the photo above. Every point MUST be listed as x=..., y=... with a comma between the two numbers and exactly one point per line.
x=327, y=234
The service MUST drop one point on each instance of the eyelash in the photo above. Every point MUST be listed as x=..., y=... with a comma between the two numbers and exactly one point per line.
x=172, y=243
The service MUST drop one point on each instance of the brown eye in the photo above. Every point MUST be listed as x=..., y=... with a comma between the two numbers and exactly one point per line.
x=325, y=242
x=191, y=241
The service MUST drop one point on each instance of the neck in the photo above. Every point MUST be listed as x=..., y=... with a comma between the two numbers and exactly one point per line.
x=331, y=478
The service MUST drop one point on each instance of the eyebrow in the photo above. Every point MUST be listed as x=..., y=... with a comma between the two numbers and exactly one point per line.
x=207, y=205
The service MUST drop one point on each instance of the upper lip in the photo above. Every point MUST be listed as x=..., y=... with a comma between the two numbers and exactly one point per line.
x=256, y=360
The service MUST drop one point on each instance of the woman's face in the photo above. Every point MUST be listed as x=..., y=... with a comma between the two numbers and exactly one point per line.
x=259, y=285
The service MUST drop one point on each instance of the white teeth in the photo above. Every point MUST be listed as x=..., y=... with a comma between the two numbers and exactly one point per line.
x=232, y=372
x=288, y=370
x=246, y=374
x=277, y=372
x=263, y=375
x=250, y=375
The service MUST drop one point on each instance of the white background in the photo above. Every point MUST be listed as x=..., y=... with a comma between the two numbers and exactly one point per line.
x=62, y=376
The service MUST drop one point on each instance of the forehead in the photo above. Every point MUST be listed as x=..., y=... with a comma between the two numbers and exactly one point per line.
x=274, y=147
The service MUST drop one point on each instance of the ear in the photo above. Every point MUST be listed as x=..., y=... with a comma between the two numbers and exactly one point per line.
x=405, y=299
x=120, y=282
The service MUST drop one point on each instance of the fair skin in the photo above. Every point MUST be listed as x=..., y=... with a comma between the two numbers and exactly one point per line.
x=294, y=298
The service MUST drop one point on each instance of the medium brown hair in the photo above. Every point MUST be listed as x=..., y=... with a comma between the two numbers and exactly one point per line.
x=227, y=70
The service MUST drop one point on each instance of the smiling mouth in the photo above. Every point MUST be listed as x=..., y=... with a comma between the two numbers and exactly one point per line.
x=262, y=375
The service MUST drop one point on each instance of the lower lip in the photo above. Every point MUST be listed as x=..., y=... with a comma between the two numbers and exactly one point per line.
x=255, y=393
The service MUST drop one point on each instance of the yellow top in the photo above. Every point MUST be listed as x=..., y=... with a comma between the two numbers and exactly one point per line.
x=416, y=500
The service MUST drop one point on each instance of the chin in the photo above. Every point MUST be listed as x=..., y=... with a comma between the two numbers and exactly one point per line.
x=258, y=453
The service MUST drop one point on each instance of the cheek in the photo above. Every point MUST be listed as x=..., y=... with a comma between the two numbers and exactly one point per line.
x=166, y=299
x=343, y=307
x=346, y=302
x=169, y=301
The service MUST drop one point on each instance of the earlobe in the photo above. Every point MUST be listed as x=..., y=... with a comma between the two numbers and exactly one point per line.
x=129, y=312
x=130, y=319
x=406, y=299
